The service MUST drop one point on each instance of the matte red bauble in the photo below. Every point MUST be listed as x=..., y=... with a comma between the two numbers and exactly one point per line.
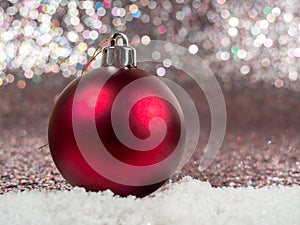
x=110, y=125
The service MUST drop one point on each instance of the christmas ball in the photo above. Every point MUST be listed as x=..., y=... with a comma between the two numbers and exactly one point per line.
x=109, y=126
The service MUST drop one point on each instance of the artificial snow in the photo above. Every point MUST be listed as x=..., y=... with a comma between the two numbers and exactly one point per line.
x=187, y=202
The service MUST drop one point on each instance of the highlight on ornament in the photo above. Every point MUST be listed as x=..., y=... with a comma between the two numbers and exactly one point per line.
x=120, y=128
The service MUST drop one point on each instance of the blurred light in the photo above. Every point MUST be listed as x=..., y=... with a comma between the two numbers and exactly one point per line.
x=245, y=69
x=234, y=22
x=10, y=78
x=193, y=49
x=58, y=36
x=241, y=53
x=161, y=71
x=232, y=31
x=225, y=56
x=167, y=62
x=21, y=84
x=82, y=46
x=156, y=55
x=278, y=83
x=288, y=17
x=221, y=1
x=145, y=40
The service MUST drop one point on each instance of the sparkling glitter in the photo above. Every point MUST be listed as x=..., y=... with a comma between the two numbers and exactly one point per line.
x=290, y=52
x=98, y=5
x=145, y=40
x=265, y=62
x=260, y=39
x=271, y=18
x=293, y=75
x=276, y=11
x=288, y=17
x=21, y=84
x=278, y=83
x=193, y=49
x=180, y=15
x=245, y=69
x=91, y=51
x=225, y=13
x=145, y=18
x=133, y=8
x=72, y=36
x=101, y=12
x=225, y=41
x=10, y=78
x=241, y=53
x=232, y=31
x=93, y=35
x=152, y=4
x=235, y=49
x=162, y=29
x=3, y=56
x=137, y=14
x=28, y=74
x=74, y=21
x=221, y=1
x=234, y=22
x=87, y=4
x=161, y=71
x=263, y=24
x=52, y=32
x=144, y=2
x=252, y=13
x=268, y=43
x=225, y=56
x=255, y=31
x=267, y=10
x=156, y=55
x=82, y=46
x=297, y=52
x=167, y=62
x=283, y=39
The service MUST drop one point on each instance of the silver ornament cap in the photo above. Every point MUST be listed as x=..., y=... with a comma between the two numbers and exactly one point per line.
x=119, y=54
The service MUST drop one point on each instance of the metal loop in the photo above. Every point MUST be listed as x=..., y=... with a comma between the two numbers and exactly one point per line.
x=115, y=37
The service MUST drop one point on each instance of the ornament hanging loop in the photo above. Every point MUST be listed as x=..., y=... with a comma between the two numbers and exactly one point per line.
x=119, y=55
x=116, y=37
x=115, y=54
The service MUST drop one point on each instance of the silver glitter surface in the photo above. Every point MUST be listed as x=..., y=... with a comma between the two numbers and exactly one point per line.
x=261, y=145
x=242, y=41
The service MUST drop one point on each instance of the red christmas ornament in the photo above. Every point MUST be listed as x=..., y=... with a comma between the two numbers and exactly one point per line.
x=108, y=126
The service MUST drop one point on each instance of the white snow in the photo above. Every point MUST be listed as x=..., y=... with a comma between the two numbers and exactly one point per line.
x=187, y=202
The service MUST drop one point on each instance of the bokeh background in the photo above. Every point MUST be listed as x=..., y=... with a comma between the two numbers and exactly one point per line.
x=252, y=47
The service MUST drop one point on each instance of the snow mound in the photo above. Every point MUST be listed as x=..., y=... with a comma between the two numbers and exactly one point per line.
x=187, y=202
